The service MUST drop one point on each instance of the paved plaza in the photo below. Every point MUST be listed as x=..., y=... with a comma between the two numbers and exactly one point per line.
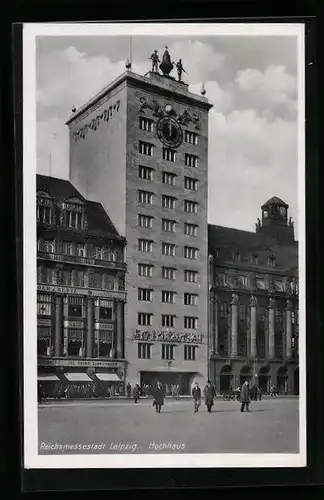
x=270, y=427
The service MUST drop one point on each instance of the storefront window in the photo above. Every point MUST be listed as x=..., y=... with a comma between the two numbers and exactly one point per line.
x=44, y=304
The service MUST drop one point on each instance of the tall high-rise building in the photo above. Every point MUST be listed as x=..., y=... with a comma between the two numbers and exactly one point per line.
x=140, y=148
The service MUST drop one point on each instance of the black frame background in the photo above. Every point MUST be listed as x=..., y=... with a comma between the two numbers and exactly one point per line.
x=23, y=480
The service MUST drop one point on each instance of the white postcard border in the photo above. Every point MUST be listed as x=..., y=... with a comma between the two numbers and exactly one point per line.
x=31, y=457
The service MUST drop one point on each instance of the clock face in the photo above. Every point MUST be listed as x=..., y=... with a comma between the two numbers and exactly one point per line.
x=168, y=108
x=282, y=211
x=169, y=132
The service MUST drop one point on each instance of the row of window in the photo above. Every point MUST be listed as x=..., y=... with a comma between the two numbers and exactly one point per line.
x=83, y=279
x=79, y=250
x=147, y=197
x=148, y=125
x=253, y=259
x=168, y=273
x=168, y=249
x=71, y=214
x=243, y=311
x=168, y=154
x=167, y=320
x=167, y=297
x=168, y=225
x=167, y=351
x=76, y=307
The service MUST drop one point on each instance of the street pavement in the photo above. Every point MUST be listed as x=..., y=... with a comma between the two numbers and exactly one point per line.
x=125, y=427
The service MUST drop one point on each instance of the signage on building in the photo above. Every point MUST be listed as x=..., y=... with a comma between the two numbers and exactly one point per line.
x=68, y=290
x=104, y=326
x=44, y=322
x=81, y=363
x=73, y=324
x=166, y=336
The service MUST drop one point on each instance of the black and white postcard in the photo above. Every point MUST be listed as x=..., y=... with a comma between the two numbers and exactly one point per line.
x=164, y=245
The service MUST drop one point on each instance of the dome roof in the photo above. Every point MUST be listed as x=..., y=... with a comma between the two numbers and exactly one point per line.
x=274, y=201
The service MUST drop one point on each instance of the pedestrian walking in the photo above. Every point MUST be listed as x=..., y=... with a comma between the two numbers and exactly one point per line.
x=209, y=394
x=158, y=394
x=259, y=393
x=136, y=393
x=129, y=390
x=196, y=394
x=245, y=396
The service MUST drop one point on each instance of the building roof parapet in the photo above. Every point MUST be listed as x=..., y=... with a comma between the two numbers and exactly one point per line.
x=151, y=81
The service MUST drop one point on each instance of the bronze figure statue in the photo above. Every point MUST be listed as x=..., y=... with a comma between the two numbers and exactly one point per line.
x=166, y=65
x=180, y=69
x=155, y=60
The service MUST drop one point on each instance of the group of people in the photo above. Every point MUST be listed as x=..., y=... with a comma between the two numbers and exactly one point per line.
x=209, y=392
x=147, y=390
x=74, y=390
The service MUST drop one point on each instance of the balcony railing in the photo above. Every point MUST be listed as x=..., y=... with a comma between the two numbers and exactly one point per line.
x=111, y=264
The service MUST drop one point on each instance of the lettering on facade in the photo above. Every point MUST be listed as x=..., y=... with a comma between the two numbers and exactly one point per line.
x=77, y=291
x=104, y=326
x=80, y=363
x=166, y=336
x=73, y=324
x=95, y=122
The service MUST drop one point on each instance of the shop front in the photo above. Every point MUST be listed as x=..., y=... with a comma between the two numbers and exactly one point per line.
x=82, y=378
x=48, y=385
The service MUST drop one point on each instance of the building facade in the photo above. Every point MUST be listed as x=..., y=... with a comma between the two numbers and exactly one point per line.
x=80, y=290
x=253, y=303
x=140, y=148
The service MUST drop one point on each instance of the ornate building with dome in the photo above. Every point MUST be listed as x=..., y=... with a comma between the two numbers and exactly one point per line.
x=253, y=303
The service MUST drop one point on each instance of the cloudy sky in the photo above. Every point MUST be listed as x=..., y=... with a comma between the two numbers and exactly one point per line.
x=251, y=81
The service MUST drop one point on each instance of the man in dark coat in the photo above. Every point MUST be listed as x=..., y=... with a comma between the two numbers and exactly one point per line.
x=196, y=394
x=245, y=396
x=129, y=390
x=209, y=393
x=136, y=393
x=158, y=394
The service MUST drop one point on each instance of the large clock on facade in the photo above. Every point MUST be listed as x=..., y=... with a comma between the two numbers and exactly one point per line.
x=169, y=132
x=282, y=211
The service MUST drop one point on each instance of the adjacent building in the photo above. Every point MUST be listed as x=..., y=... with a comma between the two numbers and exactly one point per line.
x=253, y=303
x=140, y=148
x=80, y=288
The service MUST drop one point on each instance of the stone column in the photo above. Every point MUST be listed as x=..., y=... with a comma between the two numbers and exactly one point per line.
x=234, y=324
x=66, y=331
x=120, y=329
x=271, y=343
x=89, y=327
x=253, y=311
x=288, y=329
x=58, y=325
x=97, y=321
x=215, y=336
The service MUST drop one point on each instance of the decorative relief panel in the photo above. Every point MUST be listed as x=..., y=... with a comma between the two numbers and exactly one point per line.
x=95, y=122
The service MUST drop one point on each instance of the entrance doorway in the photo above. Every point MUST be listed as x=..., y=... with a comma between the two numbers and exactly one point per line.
x=264, y=379
x=296, y=381
x=245, y=374
x=282, y=380
x=226, y=378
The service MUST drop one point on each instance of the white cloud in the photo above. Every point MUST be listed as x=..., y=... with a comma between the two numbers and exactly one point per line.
x=250, y=160
x=199, y=59
x=274, y=87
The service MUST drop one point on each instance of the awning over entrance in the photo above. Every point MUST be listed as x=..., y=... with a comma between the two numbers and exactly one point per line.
x=47, y=377
x=108, y=377
x=77, y=377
